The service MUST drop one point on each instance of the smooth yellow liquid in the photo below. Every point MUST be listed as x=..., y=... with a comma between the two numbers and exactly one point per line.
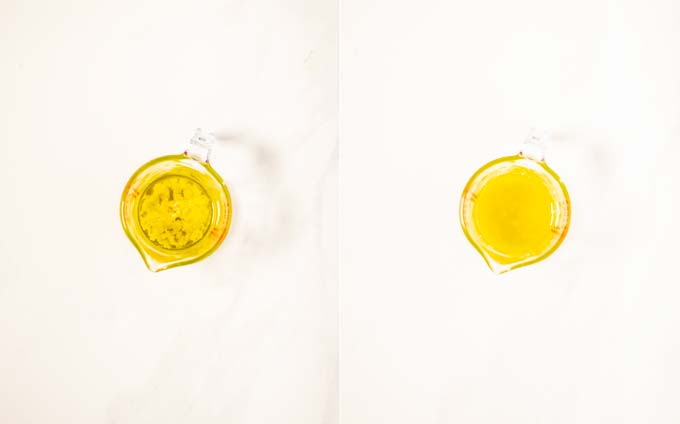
x=175, y=212
x=514, y=215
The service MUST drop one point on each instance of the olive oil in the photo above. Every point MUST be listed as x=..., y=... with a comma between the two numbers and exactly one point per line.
x=175, y=212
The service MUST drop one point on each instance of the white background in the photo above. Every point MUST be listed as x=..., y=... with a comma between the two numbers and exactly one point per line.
x=89, y=91
x=430, y=91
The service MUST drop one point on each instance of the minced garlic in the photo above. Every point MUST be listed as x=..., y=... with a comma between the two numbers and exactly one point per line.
x=175, y=212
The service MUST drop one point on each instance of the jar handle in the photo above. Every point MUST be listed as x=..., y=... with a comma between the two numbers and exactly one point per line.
x=200, y=146
x=534, y=145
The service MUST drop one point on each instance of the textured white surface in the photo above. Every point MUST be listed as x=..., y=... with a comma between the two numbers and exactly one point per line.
x=88, y=92
x=431, y=90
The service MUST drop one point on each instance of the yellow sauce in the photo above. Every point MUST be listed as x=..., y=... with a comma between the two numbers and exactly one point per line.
x=515, y=211
x=513, y=214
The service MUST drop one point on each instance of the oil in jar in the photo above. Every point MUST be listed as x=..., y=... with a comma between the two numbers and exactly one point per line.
x=175, y=212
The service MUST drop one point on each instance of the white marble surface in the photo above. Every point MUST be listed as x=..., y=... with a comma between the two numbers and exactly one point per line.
x=431, y=90
x=88, y=92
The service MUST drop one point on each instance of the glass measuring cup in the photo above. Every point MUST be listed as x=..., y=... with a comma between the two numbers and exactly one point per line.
x=176, y=209
x=515, y=210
